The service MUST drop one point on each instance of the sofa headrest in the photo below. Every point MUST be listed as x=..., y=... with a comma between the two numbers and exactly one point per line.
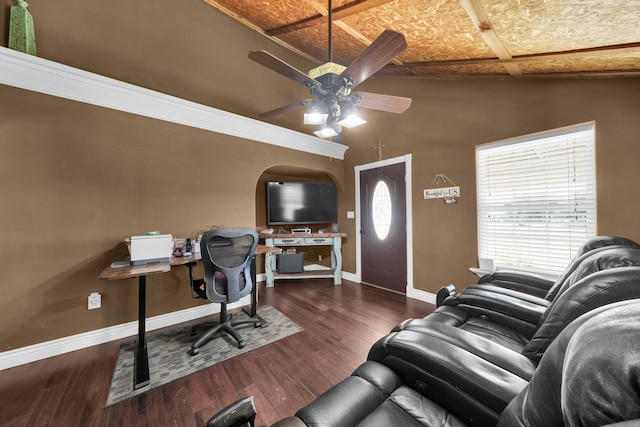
x=590, y=375
x=590, y=247
x=602, y=241
x=599, y=260
x=570, y=272
x=594, y=291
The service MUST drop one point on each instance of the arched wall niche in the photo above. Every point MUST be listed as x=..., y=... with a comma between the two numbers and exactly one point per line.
x=317, y=254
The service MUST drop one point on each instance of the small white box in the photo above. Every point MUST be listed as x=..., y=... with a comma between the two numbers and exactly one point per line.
x=487, y=264
x=148, y=249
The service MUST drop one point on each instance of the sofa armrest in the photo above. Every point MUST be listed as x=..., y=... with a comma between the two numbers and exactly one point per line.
x=467, y=375
x=530, y=283
x=352, y=399
x=518, y=311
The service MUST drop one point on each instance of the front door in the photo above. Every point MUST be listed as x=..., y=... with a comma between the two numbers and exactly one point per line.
x=383, y=227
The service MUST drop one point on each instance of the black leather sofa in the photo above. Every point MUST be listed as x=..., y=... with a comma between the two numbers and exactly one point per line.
x=543, y=286
x=590, y=376
x=467, y=363
x=525, y=323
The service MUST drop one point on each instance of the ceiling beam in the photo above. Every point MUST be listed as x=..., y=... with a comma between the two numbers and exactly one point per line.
x=549, y=75
x=481, y=20
x=257, y=29
x=339, y=13
x=567, y=54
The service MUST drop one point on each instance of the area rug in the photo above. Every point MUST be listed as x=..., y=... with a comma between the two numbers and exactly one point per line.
x=169, y=357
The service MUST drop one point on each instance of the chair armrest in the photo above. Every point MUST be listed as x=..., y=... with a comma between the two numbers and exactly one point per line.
x=507, y=307
x=469, y=376
x=530, y=283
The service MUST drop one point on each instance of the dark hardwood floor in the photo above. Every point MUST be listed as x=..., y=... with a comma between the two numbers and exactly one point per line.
x=340, y=325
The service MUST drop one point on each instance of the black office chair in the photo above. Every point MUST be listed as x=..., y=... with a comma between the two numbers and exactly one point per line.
x=227, y=254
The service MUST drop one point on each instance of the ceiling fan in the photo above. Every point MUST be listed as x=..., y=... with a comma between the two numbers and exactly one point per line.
x=334, y=104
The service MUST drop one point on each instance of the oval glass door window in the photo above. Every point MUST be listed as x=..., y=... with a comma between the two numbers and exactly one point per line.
x=381, y=210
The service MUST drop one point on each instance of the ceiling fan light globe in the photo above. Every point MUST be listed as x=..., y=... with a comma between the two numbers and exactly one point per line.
x=351, y=118
x=316, y=114
x=315, y=118
x=326, y=131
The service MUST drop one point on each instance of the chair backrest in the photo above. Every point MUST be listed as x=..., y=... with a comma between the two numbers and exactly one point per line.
x=594, y=291
x=227, y=254
x=597, y=260
x=588, y=248
x=590, y=376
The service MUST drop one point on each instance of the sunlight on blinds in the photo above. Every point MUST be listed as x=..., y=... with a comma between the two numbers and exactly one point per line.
x=536, y=198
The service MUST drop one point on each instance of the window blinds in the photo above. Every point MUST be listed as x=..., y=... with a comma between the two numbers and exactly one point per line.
x=536, y=201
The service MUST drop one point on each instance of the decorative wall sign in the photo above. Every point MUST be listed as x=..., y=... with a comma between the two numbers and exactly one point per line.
x=441, y=193
x=448, y=194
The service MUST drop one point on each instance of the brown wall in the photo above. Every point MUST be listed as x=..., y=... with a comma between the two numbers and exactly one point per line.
x=77, y=179
x=448, y=119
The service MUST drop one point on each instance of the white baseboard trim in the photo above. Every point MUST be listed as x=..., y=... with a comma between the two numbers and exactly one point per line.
x=422, y=296
x=411, y=292
x=350, y=276
x=32, y=353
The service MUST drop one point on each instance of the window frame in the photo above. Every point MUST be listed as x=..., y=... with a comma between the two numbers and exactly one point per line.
x=560, y=225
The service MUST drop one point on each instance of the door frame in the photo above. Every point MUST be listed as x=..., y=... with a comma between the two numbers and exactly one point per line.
x=406, y=159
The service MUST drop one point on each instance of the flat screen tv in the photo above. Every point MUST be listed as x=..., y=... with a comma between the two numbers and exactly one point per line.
x=302, y=203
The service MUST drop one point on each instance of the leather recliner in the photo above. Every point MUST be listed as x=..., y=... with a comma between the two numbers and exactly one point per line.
x=590, y=376
x=542, y=286
x=524, y=323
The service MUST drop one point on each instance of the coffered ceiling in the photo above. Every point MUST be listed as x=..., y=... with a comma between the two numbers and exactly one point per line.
x=460, y=38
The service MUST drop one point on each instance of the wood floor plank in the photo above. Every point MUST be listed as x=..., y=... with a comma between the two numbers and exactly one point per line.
x=340, y=323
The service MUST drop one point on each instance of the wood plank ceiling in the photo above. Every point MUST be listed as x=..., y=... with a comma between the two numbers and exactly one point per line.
x=460, y=38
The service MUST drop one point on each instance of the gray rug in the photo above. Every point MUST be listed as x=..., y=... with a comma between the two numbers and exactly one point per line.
x=169, y=358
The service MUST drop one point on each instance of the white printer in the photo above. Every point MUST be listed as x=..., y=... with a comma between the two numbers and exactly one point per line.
x=150, y=248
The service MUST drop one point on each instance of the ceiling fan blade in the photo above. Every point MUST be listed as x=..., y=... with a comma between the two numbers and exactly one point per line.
x=389, y=103
x=383, y=49
x=268, y=60
x=285, y=109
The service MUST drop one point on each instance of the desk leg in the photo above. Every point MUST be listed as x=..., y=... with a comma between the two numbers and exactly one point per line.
x=253, y=311
x=141, y=358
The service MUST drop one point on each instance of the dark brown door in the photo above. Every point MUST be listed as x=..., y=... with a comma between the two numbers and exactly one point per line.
x=383, y=227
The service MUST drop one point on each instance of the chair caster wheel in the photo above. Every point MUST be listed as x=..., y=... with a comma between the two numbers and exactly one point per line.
x=194, y=351
x=241, y=344
x=257, y=325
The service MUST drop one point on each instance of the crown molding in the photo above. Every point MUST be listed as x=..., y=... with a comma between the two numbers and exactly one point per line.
x=40, y=75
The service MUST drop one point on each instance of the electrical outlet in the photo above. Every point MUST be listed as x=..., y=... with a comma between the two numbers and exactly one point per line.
x=319, y=257
x=95, y=300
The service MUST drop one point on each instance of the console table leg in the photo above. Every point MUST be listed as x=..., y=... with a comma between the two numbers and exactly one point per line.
x=337, y=258
x=269, y=265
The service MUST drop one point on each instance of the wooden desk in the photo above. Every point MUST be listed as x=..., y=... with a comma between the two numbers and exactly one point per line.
x=141, y=358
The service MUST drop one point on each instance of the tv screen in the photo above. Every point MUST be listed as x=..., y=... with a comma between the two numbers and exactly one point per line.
x=302, y=202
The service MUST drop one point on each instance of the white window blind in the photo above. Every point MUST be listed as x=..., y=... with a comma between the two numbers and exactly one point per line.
x=536, y=198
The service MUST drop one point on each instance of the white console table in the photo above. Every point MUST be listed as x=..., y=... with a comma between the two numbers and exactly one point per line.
x=305, y=239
